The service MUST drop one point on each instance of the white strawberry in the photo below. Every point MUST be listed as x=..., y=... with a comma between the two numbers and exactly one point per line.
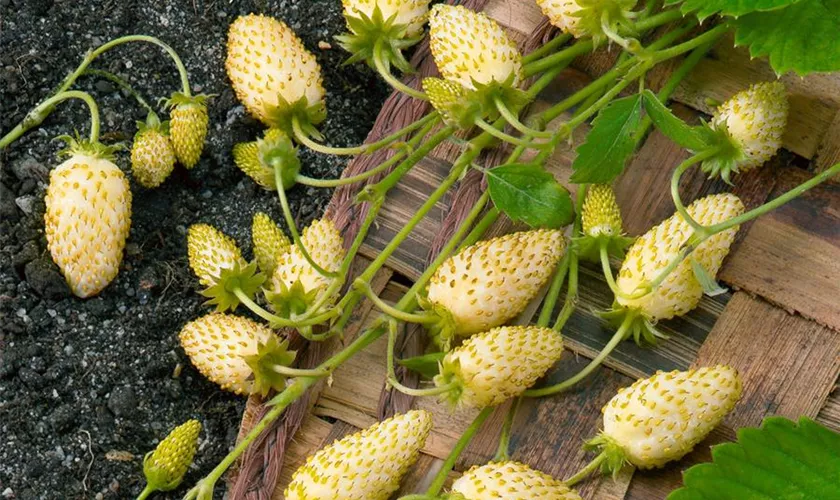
x=269, y=242
x=367, y=465
x=510, y=481
x=87, y=219
x=211, y=251
x=491, y=367
x=662, y=418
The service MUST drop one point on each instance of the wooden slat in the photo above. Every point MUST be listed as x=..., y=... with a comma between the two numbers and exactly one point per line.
x=830, y=413
x=791, y=256
x=788, y=365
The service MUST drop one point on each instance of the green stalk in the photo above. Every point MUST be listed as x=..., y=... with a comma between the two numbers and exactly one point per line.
x=571, y=292
x=603, y=251
x=392, y=375
x=544, y=49
x=385, y=72
x=45, y=108
x=148, y=490
x=503, y=451
x=589, y=469
x=304, y=139
x=514, y=122
x=498, y=134
x=119, y=82
x=698, y=228
x=405, y=317
x=449, y=463
x=554, y=289
x=278, y=321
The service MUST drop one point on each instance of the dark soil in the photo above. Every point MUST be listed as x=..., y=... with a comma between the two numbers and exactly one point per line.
x=88, y=386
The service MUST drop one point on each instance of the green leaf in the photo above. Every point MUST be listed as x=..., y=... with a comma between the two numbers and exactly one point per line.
x=735, y=8
x=800, y=38
x=610, y=143
x=691, y=138
x=781, y=460
x=427, y=365
x=707, y=281
x=528, y=193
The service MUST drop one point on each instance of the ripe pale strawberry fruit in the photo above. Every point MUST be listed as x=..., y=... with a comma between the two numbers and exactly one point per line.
x=152, y=154
x=367, y=465
x=87, y=219
x=272, y=73
x=755, y=120
x=210, y=251
x=563, y=14
x=188, y=121
x=510, y=481
x=471, y=49
x=490, y=282
x=662, y=418
x=601, y=224
x=491, y=367
x=230, y=351
x=246, y=156
x=269, y=242
x=165, y=467
x=410, y=14
x=680, y=292
x=326, y=247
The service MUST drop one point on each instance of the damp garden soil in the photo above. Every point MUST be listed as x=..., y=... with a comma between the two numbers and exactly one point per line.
x=88, y=386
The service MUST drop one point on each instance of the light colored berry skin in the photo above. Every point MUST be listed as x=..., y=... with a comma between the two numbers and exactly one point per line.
x=168, y=463
x=499, y=364
x=324, y=244
x=269, y=242
x=561, y=13
x=266, y=59
x=600, y=214
x=87, y=220
x=152, y=158
x=656, y=249
x=510, y=481
x=210, y=251
x=492, y=281
x=444, y=96
x=755, y=119
x=187, y=130
x=217, y=345
x=662, y=418
x=411, y=13
x=246, y=157
x=469, y=46
x=367, y=465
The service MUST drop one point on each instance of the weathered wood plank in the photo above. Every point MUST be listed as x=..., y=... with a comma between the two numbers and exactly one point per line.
x=791, y=256
x=830, y=413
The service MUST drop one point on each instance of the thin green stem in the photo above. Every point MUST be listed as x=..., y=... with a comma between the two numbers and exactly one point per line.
x=616, y=339
x=675, y=187
x=608, y=275
x=554, y=290
x=503, y=451
x=710, y=36
x=568, y=54
x=498, y=134
x=587, y=470
x=121, y=83
x=278, y=321
x=365, y=289
x=392, y=375
x=50, y=103
x=547, y=47
x=570, y=302
x=449, y=463
x=384, y=71
x=148, y=490
x=300, y=372
x=514, y=122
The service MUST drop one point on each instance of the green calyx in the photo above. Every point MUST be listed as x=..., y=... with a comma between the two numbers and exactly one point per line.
x=443, y=331
x=222, y=293
x=588, y=247
x=602, y=19
x=728, y=156
x=80, y=146
x=165, y=466
x=308, y=116
x=615, y=458
x=152, y=124
x=641, y=329
x=291, y=302
x=179, y=99
x=368, y=33
x=486, y=96
x=454, y=103
x=271, y=353
x=450, y=375
x=275, y=151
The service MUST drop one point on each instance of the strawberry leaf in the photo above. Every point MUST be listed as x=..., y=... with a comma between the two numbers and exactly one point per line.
x=705, y=8
x=691, y=138
x=527, y=193
x=801, y=37
x=610, y=143
x=427, y=365
x=781, y=459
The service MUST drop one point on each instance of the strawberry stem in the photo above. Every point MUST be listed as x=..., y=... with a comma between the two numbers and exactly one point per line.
x=364, y=287
x=278, y=321
x=392, y=375
x=449, y=463
x=384, y=70
x=299, y=372
x=554, y=290
x=503, y=451
x=148, y=490
x=498, y=134
x=699, y=229
x=514, y=122
x=591, y=467
x=607, y=270
x=119, y=82
x=546, y=48
x=40, y=113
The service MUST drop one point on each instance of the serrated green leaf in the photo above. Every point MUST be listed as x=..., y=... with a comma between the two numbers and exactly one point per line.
x=528, y=193
x=427, y=365
x=610, y=142
x=691, y=138
x=801, y=37
x=706, y=280
x=705, y=8
x=782, y=460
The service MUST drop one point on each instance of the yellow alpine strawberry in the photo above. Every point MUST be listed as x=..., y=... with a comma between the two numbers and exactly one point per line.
x=165, y=466
x=272, y=73
x=681, y=291
x=662, y=418
x=367, y=465
x=152, y=154
x=236, y=353
x=491, y=367
x=471, y=49
x=601, y=224
x=490, y=282
x=296, y=276
x=755, y=120
x=188, y=127
x=269, y=242
x=562, y=14
x=210, y=252
x=450, y=100
x=510, y=481
x=87, y=219
x=246, y=156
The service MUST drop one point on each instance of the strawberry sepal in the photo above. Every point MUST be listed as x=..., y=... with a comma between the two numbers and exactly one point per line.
x=443, y=331
x=642, y=330
x=270, y=353
x=615, y=456
x=244, y=278
x=291, y=301
x=589, y=247
x=367, y=32
x=308, y=115
x=77, y=145
x=276, y=151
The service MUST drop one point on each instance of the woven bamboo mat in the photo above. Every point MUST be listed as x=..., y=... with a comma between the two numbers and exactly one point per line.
x=779, y=326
